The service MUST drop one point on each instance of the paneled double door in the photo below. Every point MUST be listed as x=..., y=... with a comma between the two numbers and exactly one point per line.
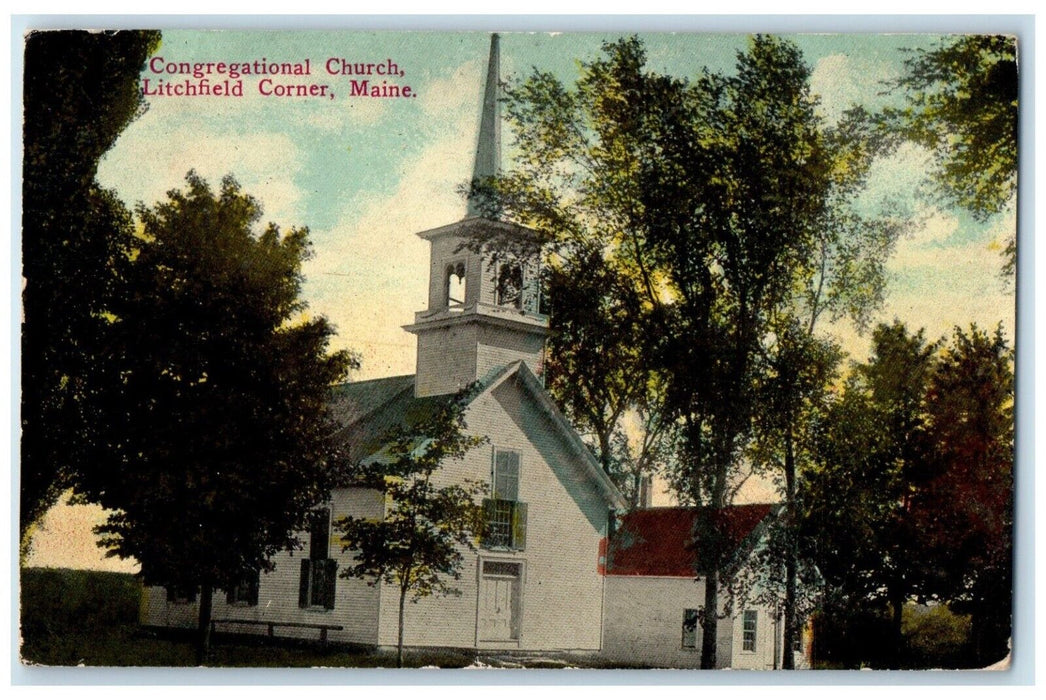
x=500, y=601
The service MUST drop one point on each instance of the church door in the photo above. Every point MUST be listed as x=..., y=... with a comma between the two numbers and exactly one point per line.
x=499, y=601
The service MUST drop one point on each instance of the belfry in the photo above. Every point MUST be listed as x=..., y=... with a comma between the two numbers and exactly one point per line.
x=484, y=298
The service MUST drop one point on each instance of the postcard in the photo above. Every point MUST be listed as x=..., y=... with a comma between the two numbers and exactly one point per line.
x=518, y=349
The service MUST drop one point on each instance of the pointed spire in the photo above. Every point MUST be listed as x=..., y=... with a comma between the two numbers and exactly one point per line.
x=488, y=149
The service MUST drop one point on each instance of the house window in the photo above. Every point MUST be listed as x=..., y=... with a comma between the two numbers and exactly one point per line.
x=509, y=290
x=797, y=641
x=505, y=515
x=319, y=573
x=691, y=628
x=748, y=630
x=455, y=285
x=181, y=594
x=244, y=591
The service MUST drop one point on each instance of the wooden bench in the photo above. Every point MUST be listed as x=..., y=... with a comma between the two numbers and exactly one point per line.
x=272, y=624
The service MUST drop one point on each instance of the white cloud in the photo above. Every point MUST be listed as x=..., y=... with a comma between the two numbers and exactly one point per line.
x=933, y=227
x=150, y=160
x=842, y=80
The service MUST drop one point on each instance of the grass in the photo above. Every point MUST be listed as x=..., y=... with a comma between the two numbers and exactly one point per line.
x=71, y=618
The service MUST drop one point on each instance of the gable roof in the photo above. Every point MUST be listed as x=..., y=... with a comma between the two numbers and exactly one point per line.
x=532, y=385
x=660, y=541
x=368, y=409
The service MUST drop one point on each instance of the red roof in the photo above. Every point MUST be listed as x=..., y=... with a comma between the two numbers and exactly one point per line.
x=659, y=541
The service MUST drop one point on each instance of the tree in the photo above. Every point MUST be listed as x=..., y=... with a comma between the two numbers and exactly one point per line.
x=595, y=369
x=872, y=459
x=792, y=392
x=799, y=360
x=220, y=442
x=81, y=91
x=961, y=103
x=418, y=545
x=705, y=199
x=965, y=510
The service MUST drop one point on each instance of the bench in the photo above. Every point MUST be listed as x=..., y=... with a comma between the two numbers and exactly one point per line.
x=272, y=624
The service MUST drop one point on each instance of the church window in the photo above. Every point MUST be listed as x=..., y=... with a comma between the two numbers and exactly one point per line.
x=748, y=630
x=244, y=591
x=181, y=594
x=505, y=515
x=455, y=285
x=691, y=628
x=510, y=285
x=319, y=573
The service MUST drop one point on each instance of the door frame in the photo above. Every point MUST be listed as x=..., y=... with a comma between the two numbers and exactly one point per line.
x=504, y=643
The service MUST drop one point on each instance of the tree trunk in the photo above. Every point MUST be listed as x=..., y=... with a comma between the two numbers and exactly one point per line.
x=791, y=556
x=710, y=620
x=203, y=629
x=897, y=605
x=399, y=643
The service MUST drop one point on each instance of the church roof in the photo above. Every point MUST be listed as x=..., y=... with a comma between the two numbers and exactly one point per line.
x=660, y=541
x=368, y=409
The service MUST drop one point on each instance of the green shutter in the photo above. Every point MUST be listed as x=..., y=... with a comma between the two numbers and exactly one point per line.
x=519, y=526
x=252, y=589
x=488, y=517
x=303, y=584
x=330, y=578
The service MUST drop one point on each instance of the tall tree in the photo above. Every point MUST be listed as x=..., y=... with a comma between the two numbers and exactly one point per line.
x=799, y=358
x=792, y=391
x=220, y=440
x=417, y=547
x=705, y=198
x=80, y=91
x=961, y=103
x=965, y=510
x=872, y=454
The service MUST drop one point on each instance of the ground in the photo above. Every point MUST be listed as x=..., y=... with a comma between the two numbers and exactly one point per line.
x=72, y=617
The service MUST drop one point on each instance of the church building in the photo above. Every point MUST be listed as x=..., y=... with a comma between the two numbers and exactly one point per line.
x=536, y=582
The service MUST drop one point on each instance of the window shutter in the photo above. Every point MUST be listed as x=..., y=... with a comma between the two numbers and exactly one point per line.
x=252, y=589
x=488, y=518
x=330, y=578
x=170, y=594
x=303, y=584
x=230, y=594
x=519, y=526
x=506, y=475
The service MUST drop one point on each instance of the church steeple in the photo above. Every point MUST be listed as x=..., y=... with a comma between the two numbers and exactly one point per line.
x=484, y=304
x=488, y=147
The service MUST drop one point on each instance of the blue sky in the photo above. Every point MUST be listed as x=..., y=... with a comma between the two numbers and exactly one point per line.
x=366, y=174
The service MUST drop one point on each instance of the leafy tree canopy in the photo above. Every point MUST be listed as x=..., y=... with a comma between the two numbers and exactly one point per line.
x=961, y=103
x=80, y=92
x=220, y=442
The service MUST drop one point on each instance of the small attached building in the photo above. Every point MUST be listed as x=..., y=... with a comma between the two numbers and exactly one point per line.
x=654, y=598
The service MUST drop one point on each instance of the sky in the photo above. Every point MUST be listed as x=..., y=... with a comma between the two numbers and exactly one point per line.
x=365, y=174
